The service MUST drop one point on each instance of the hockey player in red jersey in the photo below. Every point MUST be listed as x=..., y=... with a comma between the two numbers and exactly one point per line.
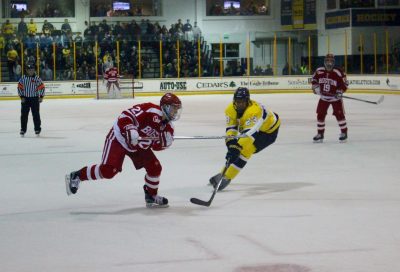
x=329, y=82
x=136, y=133
x=112, y=77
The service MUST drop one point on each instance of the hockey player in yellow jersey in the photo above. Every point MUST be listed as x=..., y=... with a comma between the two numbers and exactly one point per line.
x=250, y=128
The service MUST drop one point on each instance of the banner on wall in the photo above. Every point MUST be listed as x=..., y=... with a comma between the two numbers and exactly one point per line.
x=8, y=89
x=337, y=19
x=375, y=17
x=284, y=83
x=362, y=17
x=298, y=14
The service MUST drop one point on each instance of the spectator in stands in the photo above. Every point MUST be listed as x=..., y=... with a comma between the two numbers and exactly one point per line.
x=46, y=41
x=92, y=73
x=30, y=55
x=218, y=10
x=80, y=75
x=143, y=27
x=118, y=30
x=172, y=31
x=257, y=71
x=78, y=40
x=8, y=30
x=2, y=43
x=196, y=32
x=30, y=42
x=110, y=11
x=22, y=29
x=139, y=11
x=179, y=24
x=87, y=33
x=187, y=27
x=268, y=71
x=65, y=27
x=187, y=30
x=17, y=70
x=49, y=10
x=68, y=73
x=32, y=28
x=164, y=34
x=12, y=57
x=232, y=10
x=106, y=28
x=14, y=42
x=14, y=12
x=285, y=70
x=304, y=69
x=107, y=62
x=251, y=9
x=178, y=32
x=47, y=27
x=67, y=55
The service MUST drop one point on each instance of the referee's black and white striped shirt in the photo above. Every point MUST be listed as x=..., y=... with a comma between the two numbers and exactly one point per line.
x=31, y=86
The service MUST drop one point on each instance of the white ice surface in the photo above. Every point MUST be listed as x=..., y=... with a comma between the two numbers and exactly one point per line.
x=296, y=207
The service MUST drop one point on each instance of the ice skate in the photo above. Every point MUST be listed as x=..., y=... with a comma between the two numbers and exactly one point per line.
x=224, y=183
x=22, y=133
x=155, y=201
x=37, y=133
x=319, y=138
x=72, y=182
x=215, y=179
x=343, y=137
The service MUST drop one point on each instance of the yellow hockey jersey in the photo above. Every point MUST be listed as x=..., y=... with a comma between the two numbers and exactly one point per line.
x=254, y=119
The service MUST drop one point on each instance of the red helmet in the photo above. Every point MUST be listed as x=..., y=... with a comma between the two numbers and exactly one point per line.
x=171, y=106
x=329, y=61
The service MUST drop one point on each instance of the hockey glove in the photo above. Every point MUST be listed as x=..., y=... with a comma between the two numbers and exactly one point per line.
x=40, y=99
x=316, y=89
x=233, y=150
x=339, y=94
x=132, y=136
x=167, y=138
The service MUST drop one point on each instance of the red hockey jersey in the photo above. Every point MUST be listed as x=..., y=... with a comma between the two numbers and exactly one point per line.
x=111, y=74
x=330, y=82
x=146, y=119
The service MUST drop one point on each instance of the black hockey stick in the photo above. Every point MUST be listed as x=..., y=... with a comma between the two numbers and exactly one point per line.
x=198, y=137
x=367, y=101
x=208, y=203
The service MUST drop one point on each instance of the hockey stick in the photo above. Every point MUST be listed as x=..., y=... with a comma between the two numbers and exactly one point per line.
x=208, y=203
x=197, y=137
x=367, y=101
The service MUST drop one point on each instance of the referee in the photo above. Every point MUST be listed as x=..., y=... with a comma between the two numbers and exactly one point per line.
x=31, y=91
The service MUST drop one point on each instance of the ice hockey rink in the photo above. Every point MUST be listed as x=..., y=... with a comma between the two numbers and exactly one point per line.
x=296, y=207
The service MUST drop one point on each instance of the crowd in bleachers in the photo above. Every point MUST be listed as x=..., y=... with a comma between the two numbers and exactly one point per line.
x=36, y=43
x=39, y=46
x=49, y=9
x=238, y=8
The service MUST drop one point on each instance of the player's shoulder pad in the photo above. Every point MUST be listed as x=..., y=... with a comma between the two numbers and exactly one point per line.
x=254, y=109
x=152, y=108
x=338, y=71
x=230, y=109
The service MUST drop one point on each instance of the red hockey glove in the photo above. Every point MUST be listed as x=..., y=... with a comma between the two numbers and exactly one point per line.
x=166, y=139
